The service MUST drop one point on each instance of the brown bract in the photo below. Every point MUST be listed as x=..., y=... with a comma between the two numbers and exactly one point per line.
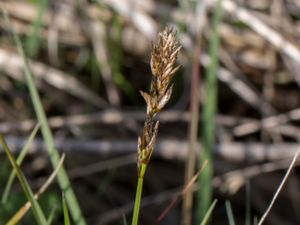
x=163, y=58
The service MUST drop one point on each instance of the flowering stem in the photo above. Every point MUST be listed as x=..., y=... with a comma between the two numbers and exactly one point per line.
x=138, y=195
x=163, y=57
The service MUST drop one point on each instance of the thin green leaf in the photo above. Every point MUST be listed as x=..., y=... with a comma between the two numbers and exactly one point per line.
x=255, y=220
x=37, y=211
x=229, y=213
x=205, y=194
x=19, y=162
x=208, y=213
x=23, y=210
x=52, y=215
x=62, y=176
x=116, y=56
x=66, y=212
x=124, y=219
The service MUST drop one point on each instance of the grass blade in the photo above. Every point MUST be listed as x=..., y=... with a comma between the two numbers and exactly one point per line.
x=209, y=111
x=190, y=163
x=19, y=162
x=116, y=57
x=124, y=219
x=208, y=213
x=37, y=211
x=22, y=211
x=229, y=213
x=52, y=215
x=255, y=220
x=33, y=41
x=66, y=211
x=62, y=176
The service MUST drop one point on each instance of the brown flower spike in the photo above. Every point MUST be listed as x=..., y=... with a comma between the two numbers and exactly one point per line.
x=163, y=58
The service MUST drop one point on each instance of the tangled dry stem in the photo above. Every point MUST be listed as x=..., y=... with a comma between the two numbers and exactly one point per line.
x=163, y=58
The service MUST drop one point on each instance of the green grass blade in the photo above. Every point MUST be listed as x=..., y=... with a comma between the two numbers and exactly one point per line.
x=33, y=41
x=229, y=213
x=66, y=212
x=62, y=176
x=124, y=219
x=52, y=215
x=23, y=210
x=208, y=213
x=19, y=162
x=37, y=211
x=117, y=59
x=255, y=220
x=209, y=112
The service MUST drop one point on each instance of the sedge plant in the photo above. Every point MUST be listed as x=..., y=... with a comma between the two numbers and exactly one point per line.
x=163, y=57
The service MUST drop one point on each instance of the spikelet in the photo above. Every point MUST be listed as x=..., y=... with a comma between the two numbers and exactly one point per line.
x=163, y=57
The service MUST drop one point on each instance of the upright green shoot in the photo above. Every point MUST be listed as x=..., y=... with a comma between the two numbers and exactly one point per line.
x=209, y=212
x=116, y=56
x=209, y=112
x=52, y=215
x=33, y=40
x=66, y=211
x=124, y=219
x=229, y=213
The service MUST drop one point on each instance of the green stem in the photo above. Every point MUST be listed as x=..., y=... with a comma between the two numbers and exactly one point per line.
x=205, y=196
x=62, y=176
x=138, y=196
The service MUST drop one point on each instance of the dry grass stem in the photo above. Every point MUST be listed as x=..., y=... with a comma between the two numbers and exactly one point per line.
x=280, y=187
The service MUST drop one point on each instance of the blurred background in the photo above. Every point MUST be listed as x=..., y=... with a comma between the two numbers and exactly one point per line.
x=237, y=90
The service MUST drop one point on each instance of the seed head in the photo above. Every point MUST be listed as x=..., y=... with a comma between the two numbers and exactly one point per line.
x=163, y=58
